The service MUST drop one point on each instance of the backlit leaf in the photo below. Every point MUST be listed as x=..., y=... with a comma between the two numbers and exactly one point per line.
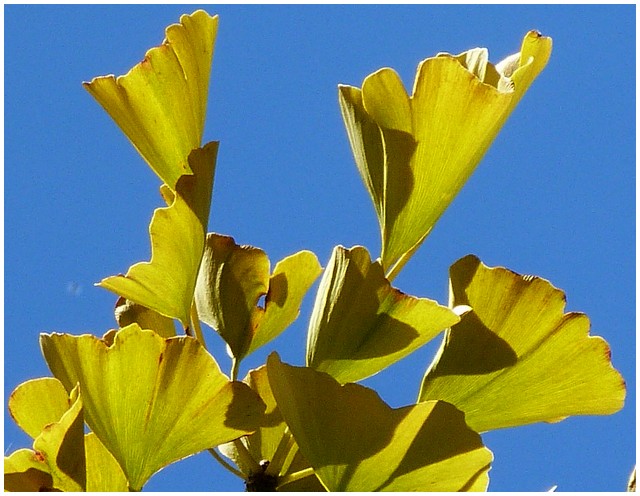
x=355, y=442
x=103, y=471
x=360, y=324
x=232, y=280
x=166, y=284
x=517, y=358
x=263, y=443
x=37, y=403
x=152, y=401
x=161, y=103
x=415, y=153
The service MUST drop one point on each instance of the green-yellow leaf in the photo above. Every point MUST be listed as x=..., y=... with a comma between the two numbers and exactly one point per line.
x=360, y=324
x=62, y=446
x=37, y=403
x=416, y=152
x=152, y=401
x=263, y=444
x=517, y=358
x=355, y=442
x=103, y=471
x=127, y=312
x=166, y=284
x=26, y=471
x=161, y=103
x=232, y=280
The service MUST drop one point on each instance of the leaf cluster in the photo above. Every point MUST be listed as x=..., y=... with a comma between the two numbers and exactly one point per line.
x=151, y=393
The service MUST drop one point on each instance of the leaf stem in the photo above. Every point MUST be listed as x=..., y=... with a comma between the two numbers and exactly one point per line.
x=225, y=464
x=295, y=476
x=280, y=455
x=195, y=323
x=235, y=365
x=245, y=457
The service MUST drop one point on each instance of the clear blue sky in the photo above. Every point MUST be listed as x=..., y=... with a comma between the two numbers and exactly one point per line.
x=554, y=197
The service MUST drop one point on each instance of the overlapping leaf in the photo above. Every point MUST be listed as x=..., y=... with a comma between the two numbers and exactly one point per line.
x=36, y=403
x=517, y=358
x=355, y=442
x=26, y=471
x=166, y=284
x=176, y=404
x=103, y=471
x=415, y=152
x=232, y=280
x=161, y=103
x=263, y=444
x=360, y=324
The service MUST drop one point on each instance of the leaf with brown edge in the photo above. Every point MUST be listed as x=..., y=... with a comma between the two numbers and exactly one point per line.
x=178, y=404
x=360, y=324
x=37, y=403
x=26, y=471
x=517, y=358
x=232, y=280
x=166, y=283
x=161, y=103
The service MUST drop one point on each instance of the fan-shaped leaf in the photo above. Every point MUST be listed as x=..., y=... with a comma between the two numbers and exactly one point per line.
x=355, y=442
x=232, y=280
x=517, y=358
x=360, y=324
x=161, y=103
x=166, y=284
x=415, y=152
x=152, y=401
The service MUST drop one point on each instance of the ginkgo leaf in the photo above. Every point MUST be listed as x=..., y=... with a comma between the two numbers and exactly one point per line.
x=127, y=312
x=263, y=444
x=415, y=153
x=356, y=442
x=161, y=103
x=150, y=400
x=26, y=471
x=517, y=358
x=62, y=446
x=103, y=471
x=166, y=284
x=232, y=280
x=360, y=324
x=37, y=403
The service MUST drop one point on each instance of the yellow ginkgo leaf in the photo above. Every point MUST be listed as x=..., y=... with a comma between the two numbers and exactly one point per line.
x=37, y=403
x=360, y=324
x=416, y=152
x=517, y=358
x=161, y=103
x=166, y=284
x=263, y=444
x=356, y=442
x=152, y=401
x=232, y=280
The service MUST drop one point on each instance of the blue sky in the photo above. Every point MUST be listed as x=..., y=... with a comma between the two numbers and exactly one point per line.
x=554, y=197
